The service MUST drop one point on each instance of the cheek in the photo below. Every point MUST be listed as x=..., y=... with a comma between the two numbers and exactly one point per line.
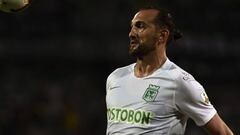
x=148, y=39
x=144, y=36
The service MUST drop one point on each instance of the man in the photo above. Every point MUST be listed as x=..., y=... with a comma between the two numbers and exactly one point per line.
x=154, y=96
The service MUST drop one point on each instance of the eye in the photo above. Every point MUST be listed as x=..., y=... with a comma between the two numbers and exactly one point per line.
x=139, y=25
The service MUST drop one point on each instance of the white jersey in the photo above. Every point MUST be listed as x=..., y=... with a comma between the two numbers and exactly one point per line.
x=158, y=104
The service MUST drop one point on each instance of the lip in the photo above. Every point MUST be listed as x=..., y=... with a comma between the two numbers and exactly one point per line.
x=133, y=42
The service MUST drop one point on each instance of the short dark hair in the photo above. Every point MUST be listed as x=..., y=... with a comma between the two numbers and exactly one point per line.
x=165, y=19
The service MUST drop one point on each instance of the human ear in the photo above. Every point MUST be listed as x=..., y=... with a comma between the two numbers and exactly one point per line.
x=163, y=35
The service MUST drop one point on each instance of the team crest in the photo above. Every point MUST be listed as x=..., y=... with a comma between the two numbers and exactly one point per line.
x=151, y=93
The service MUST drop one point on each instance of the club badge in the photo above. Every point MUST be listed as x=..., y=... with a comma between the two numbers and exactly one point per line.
x=151, y=93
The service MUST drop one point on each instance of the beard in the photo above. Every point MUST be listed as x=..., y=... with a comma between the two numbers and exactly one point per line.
x=140, y=49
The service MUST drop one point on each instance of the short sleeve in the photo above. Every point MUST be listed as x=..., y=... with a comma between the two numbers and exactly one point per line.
x=108, y=82
x=192, y=100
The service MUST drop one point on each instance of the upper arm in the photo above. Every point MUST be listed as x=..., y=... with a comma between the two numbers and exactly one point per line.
x=192, y=101
x=216, y=126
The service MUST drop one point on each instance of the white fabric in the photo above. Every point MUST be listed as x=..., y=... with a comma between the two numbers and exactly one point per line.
x=168, y=97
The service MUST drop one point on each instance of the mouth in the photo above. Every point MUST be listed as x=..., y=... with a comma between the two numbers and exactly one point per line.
x=133, y=43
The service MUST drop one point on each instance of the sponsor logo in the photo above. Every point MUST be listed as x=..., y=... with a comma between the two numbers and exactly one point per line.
x=186, y=76
x=205, y=98
x=131, y=116
x=115, y=87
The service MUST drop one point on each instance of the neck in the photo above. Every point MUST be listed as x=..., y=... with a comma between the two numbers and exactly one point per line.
x=146, y=65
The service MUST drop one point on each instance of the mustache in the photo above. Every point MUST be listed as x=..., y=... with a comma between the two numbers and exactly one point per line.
x=134, y=39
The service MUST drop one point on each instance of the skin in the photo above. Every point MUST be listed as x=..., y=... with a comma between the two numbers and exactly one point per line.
x=148, y=44
x=216, y=126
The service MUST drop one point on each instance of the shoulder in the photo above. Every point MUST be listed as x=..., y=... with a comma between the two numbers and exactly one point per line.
x=190, y=97
x=178, y=74
x=121, y=72
x=185, y=81
x=188, y=89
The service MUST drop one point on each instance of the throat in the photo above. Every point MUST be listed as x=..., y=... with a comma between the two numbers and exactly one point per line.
x=145, y=69
x=143, y=72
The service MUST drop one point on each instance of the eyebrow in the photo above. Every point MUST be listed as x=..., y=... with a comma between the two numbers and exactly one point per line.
x=131, y=23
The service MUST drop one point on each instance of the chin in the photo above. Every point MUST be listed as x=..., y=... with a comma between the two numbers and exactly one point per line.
x=136, y=53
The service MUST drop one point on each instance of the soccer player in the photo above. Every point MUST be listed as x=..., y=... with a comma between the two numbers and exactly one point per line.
x=154, y=96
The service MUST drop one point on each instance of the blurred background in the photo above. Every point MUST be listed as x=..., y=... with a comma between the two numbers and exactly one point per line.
x=56, y=55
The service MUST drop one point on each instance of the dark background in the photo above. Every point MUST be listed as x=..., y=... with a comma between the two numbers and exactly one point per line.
x=56, y=55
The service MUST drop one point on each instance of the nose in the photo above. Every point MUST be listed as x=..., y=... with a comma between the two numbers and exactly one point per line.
x=132, y=33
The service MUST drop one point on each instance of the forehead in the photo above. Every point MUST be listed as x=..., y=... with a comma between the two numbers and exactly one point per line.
x=147, y=15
